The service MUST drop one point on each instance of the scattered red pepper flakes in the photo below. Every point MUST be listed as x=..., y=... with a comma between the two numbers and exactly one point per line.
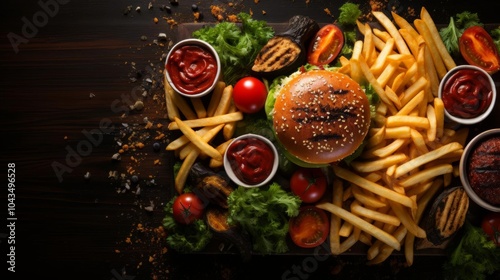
x=328, y=12
x=232, y=18
x=157, y=162
x=155, y=20
x=140, y=145
x=197, y=16
x=148, y=125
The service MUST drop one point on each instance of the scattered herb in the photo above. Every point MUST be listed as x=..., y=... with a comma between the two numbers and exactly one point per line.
x=264, y=213
x=455, y=28
x=475, y=257
x=495, y=34
x=349, y=14
x=237, y=46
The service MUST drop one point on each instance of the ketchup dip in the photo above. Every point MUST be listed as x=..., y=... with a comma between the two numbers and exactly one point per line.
x=192, y=69
x=467, y=93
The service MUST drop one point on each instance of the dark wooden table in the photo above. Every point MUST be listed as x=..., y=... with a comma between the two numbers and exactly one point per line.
x=69, y=71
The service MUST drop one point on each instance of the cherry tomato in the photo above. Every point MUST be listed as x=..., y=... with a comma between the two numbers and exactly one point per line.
x=326, y=45
x=187, y=208
x=249, y=95
x=308, y=183
x=477, y=48
x=491, y=226
x=310, y=227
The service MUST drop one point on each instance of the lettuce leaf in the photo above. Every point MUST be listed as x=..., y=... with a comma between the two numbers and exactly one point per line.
x=237, y=45
x=264, y=213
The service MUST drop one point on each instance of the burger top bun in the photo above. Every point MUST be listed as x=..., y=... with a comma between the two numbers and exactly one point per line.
x=321, y=116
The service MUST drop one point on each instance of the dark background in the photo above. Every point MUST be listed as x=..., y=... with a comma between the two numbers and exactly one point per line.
x=81, y=67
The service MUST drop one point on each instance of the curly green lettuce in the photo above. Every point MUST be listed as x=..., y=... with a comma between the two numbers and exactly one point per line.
x=185, y=238
x=236, y=45
x=475, y=257
x=451, y=33
x=264, y=213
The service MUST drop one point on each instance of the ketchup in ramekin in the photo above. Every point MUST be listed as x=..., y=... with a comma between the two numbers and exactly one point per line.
x=251, y=160
x=192, y=69
x=467, y=93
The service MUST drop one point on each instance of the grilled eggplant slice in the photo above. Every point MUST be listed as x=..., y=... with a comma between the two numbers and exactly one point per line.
x=217, y=221
x=447, y=215
x=210, y=185
x=287, y=51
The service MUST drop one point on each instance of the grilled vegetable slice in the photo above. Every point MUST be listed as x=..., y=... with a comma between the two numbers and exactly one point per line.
x=217, y=221
x=287, y=51
x=209, y=185
x=447, y=215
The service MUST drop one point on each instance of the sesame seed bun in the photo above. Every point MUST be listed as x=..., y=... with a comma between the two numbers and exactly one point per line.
x=321, y=116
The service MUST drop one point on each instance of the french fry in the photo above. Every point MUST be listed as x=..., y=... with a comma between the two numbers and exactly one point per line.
x=180, y=179
x=205, y=137
x=386, y=251
x=426, y=174
x=182, y=104
x=224, y=101
x=436, y=56
x=431, y=116
x=406, y=219
x=172, y=110
x=199, y=108
x=365, y=199
x=426, y=158
x=390, y=149
x=413, y=90
x=197, y=140
x=359, y=210
x=375, y=165
x=229, y=128
x=391, y=28
x=183, y=140
x=382, y=57
x=404, y=24
x=412, y=104
x=221, y=148
x=413, y=121
x=439, y=112
x=215, y=98
x=334, y=219
x=438, y=42
x=360, y=223
x=424, y=200
x=209, y=121
x=373, y=187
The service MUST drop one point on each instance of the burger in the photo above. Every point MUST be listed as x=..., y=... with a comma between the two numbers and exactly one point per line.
x=318, y=116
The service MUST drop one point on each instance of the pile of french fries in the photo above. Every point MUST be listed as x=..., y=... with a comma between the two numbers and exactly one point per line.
x=199, y=126
x=410, y=153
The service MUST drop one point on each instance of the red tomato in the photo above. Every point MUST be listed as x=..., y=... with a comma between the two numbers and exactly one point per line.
x=477, y=48
x=491, y=226
x=249, y=95
x=326, y=45
x=187, y=208
x=309, y=184
x=310, y=228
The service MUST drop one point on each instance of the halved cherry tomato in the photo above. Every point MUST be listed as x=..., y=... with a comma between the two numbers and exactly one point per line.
x=477, y=48
x=326, y=45
x=310, y=227
x=491, y=226
x=308, y=183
